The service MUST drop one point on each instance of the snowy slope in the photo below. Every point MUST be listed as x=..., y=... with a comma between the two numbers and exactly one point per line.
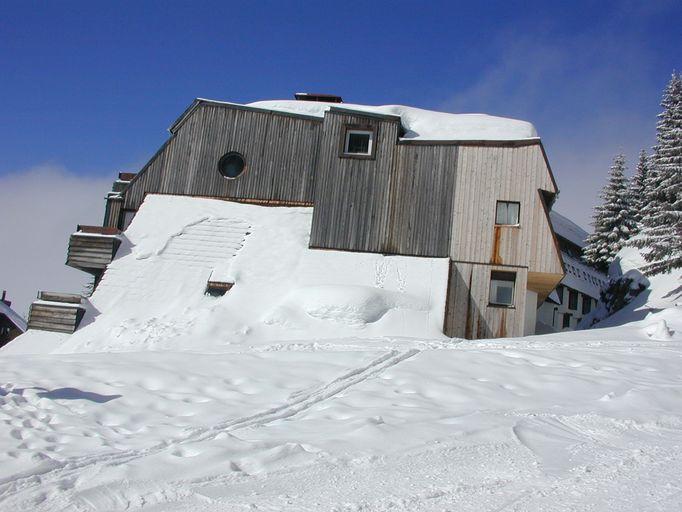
x=420, y=123
x=152, y=294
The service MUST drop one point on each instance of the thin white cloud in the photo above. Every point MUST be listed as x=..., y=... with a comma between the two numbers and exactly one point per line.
x=40, y=208
x=589, y=96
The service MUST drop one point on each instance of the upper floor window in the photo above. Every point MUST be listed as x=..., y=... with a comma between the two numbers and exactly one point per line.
x=358, y=141
x=587, y=304
x=231, y=165
x=507, y=213
x=502, y=288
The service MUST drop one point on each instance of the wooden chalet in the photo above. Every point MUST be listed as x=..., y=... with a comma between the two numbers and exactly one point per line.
x=484, y=204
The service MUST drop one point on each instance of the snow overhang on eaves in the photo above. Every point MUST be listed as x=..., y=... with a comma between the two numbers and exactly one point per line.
x=237, y=106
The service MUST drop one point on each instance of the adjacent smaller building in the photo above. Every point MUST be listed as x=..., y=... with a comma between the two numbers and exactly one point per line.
x=11, y=323
x=579, y=291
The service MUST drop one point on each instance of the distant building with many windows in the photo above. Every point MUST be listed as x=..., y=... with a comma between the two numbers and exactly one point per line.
x=578, y=293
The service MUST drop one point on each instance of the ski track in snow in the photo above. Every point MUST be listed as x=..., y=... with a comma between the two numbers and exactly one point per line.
x=14, y=486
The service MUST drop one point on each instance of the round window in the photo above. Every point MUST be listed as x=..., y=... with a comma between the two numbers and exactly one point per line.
x=231, y=165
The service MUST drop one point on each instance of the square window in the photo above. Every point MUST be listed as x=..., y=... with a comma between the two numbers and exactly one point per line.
x=507, y=213
x=358, y=142
x=502, y=288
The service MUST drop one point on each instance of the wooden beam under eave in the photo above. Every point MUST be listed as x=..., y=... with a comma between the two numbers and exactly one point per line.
x=543, y=284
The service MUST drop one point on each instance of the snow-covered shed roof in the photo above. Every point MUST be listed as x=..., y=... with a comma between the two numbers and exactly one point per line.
x=568, y=229
x=13, y=316
x=582, y=278
x=419, y=124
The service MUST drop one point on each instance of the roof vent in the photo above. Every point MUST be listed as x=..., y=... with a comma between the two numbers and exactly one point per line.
x=325, y=98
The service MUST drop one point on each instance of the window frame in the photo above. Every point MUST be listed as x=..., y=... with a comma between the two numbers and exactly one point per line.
x=566, y=321
x=504, y=201
x=502, y=275
x=362, y=128
x=227, y=155
x=587, y=300
x=573, y=299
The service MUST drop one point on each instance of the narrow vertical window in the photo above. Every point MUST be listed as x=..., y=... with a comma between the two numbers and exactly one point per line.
x=567, y=321
x=507, y=213
x=502, y=288
x=572, y=299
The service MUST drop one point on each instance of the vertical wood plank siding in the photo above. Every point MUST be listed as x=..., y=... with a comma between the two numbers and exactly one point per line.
x=280, y=153
x=351, y=194
x=400, y=202
x=486, y=175
x=469, y=315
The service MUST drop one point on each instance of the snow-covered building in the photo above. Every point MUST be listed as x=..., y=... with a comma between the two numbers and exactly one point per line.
x=470, y=189
x=579, y=291
x=11, y=323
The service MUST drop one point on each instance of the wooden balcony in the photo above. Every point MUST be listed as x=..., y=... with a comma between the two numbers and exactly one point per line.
x=91, y=248
x=58, y=312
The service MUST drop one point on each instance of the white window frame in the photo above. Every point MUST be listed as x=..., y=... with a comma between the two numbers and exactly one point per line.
x=346, y=143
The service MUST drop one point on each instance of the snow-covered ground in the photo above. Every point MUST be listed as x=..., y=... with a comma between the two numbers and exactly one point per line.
x=348, y=400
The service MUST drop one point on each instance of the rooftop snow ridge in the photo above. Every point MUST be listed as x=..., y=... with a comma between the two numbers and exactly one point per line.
x=568, y=229
x=419, y=124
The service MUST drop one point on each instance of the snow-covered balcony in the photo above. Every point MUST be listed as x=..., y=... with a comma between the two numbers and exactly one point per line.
x=91, y=248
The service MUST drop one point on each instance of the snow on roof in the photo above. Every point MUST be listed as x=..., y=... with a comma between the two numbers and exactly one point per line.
x=420, y=124
x=13, y=316
x=568, y=229
x=582, y=278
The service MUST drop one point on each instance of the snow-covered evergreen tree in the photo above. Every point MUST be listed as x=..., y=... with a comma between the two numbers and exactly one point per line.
x=638, y=189
x=613, y=223
x=661, y=235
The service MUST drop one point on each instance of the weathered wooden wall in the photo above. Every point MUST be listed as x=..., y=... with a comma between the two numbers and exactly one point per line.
x=468, y=312
x=485, y=175
x=421, y=199
x=351, y=194
x=400, y=202
x=279, y=150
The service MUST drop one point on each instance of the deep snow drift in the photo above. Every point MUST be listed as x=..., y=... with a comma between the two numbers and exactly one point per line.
x=231, y=411
x=152, y=294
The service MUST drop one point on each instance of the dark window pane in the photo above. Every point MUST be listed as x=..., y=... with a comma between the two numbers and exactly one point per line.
x=502, y=288
x=572, y=299
x=231, y=165
x=567, y=320
x=587, y=304
x=358, y=143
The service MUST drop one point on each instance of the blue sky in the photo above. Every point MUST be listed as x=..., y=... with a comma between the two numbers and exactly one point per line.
x=89, y=88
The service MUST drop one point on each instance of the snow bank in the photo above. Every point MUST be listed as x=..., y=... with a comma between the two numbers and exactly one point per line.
x=660, y=300
x=419, y=123
x=152, y=295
